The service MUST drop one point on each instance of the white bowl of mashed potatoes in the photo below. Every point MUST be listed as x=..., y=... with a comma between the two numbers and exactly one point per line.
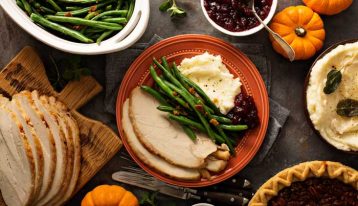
x=332, y=96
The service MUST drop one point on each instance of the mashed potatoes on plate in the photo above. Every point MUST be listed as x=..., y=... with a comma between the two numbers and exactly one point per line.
x=340, y=131
x=209, y=72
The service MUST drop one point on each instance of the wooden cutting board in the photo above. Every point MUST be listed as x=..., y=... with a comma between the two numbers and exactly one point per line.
x=99, y=143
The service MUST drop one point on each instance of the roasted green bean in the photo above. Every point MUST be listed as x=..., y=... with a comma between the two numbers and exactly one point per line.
x=81, y=21
x=57, y=27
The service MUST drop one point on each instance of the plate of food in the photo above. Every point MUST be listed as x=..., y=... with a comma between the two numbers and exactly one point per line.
x=331, y=95
x=192, y=110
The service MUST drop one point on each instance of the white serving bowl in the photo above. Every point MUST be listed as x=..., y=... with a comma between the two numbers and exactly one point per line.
x=122, y=40
x=241, y=33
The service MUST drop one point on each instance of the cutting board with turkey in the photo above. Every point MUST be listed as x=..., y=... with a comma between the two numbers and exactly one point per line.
x=98, y=142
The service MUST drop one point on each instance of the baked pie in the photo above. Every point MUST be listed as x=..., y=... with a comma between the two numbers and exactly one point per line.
x=310, y=183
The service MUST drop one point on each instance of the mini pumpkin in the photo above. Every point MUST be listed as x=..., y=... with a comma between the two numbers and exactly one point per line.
x=328, y=7
x=302, y=29
x=109, y=195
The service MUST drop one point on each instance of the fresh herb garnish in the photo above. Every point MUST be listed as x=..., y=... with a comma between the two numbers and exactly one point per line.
x=171, y=6
x=149, y=199
x=165, y=5
x=65, y=70
x=334, y=78
x=347, y=108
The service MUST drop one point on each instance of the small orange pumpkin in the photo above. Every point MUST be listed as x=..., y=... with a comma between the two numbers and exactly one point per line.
x=109, y=195
x=328, y=7
x=302, y=28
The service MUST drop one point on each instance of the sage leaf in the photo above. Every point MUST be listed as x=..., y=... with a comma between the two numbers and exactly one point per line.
x=347, y=108
x=334, y=78
x=165, y=5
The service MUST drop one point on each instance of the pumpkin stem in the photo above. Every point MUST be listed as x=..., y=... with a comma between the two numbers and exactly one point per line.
x=301, y=32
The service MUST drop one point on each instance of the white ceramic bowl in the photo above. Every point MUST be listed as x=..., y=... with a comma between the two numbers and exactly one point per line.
x=124, y=39
x=241, y=33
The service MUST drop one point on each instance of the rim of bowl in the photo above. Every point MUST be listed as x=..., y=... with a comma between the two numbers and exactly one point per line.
x=241, y=33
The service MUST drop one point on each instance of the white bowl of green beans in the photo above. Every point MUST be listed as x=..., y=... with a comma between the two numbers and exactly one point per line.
x=86, y=27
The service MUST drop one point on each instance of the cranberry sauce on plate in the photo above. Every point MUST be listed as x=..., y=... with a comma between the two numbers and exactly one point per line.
x=235, y=15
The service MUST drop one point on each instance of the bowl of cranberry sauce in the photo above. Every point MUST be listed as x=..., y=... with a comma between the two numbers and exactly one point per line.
x=235, y=17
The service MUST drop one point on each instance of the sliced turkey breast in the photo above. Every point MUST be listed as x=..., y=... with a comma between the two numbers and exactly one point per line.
x=150, y=159
x=17, y=159
x=54, y=106
x=46, y=139
x=34, y=143
x=164, y=137
x=61, y=150
x=11, y=195
x=77, y=151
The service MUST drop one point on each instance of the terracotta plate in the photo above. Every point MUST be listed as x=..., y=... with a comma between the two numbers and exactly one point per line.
x=183, y=46
x=307, y=81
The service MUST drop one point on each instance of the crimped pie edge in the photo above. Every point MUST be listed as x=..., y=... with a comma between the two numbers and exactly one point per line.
x=301, y=172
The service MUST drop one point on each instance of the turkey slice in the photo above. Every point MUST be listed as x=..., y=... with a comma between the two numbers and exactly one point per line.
x=58, y=109
x=33, y=141
x=7, y=184
x=150, y=159
x=17, y=162
x=164, y=137
x=61, y=150
x=45, y=136
x=77, y=150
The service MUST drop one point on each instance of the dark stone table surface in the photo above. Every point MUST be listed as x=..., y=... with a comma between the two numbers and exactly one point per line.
x=297, y=141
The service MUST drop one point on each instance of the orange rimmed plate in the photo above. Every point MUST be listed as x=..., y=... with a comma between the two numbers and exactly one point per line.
x=183, y=46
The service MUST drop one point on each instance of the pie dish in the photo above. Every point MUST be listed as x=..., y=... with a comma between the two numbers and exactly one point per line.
x=307, y=171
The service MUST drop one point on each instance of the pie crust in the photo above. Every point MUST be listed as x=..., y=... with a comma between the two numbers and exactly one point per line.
x=301, y=172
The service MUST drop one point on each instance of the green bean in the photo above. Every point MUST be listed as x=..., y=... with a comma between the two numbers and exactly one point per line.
x=187, y=96
x=201, y=93
x=81, y=21
x=103, y=36
x=119, y=4
x=54, y=5
x=220, y=130
x=27, y=6
x=187, y=121
x=118, y=20
x=130, y=10
x=234, y=127
x=178, y=76
x=72, y=8
x=165, y=64
x=188, y=131
x=20, y=4
x=93, y=30
x=194, y=124
x=166, y=108
x=110, y=13
x=46, y=23
x=84, y=10
x=155, y=94
x=80, y=1
x=222, y=119
x=43, y=9
x=108, y=8
x=166, y=89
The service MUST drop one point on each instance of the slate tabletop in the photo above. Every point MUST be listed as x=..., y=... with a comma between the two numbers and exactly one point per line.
x=297, y=141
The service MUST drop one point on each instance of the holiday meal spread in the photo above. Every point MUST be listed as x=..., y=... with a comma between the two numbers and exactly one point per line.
x=181, y=126
x=332, y=97
x=310, y=183
x=41, y=151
